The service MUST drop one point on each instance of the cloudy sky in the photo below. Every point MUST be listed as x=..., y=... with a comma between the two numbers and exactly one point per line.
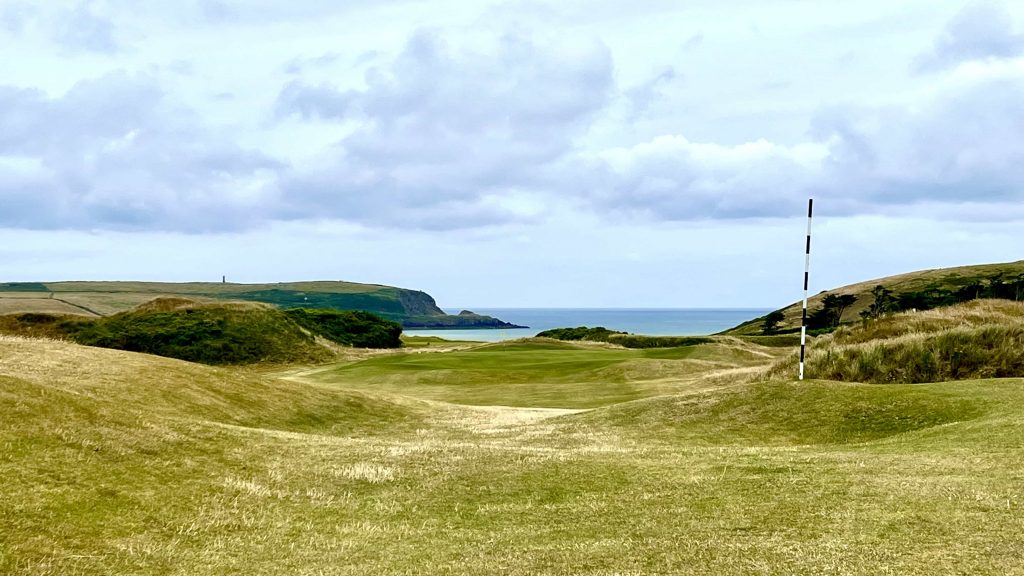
x=638, y=154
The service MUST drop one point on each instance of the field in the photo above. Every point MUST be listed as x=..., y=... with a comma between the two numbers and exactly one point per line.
x=531, y=457
x=106, y=298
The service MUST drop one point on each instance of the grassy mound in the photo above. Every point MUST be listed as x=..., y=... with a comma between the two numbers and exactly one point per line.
x=979, y=339
x=45, y=381
x=208, y=334
x=919, y=290
x=215, y=333
x=791, y=413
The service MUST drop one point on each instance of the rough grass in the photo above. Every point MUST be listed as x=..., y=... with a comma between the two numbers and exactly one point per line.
x=120, y=463
x=979, y=339
x=35, y=304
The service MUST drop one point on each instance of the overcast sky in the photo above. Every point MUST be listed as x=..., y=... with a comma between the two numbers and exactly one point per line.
x=635, y=154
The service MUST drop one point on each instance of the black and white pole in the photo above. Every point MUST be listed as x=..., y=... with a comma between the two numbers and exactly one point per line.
x=807, y=276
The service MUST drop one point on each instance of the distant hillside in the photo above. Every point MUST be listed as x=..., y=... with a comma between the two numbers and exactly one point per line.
x=215, y=333
x=411, y=308
x=923, y=289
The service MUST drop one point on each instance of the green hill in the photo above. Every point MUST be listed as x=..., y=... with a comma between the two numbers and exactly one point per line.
x=411, y=308
x=919, y=290
x=216, y=332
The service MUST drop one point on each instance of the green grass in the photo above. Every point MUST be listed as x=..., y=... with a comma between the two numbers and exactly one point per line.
x=122, y=463
x=795, y=413
x=434, y=341
x=545, y=373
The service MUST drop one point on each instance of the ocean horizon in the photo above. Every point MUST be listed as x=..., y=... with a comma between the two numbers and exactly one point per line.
x=647, y=321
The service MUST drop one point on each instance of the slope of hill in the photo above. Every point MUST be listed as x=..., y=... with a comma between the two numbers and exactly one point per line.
x=978, y=339
x=412, y=308
x=216, y=332
x=925, y=283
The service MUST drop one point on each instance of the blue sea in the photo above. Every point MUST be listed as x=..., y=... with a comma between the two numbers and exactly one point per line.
x=648, y=321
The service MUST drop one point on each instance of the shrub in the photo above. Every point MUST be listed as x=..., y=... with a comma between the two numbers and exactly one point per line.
x=349, y=327
x=211, y=335
x=624, y=339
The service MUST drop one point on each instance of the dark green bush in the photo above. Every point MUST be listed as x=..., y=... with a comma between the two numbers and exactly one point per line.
x=598, y=334
x=349, y=327
x=625, y=339
x=210, y=335
x=638, y=341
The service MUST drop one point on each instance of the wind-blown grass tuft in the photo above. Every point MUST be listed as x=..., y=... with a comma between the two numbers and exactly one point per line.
x=980, y=339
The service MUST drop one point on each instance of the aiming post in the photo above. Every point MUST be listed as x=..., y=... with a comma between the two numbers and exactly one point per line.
x=807, y=275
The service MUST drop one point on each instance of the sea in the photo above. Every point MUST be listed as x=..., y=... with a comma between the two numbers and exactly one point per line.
x=648, y=321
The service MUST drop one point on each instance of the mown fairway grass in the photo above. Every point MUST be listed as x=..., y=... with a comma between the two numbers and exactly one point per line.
x=120, y=463
x=545, y=373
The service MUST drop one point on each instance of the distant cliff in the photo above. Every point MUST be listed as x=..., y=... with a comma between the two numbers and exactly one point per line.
x=464, y=319
x=411, y=308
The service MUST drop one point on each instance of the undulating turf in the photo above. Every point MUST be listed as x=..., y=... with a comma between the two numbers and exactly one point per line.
x=544, y=373
x=122, y=463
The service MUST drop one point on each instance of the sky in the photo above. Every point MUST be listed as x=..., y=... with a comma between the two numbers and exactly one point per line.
x=511, y=154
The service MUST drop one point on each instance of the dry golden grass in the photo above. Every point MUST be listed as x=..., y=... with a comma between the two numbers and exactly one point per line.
x=21, y=304
x=174, y=303
x=978, y=339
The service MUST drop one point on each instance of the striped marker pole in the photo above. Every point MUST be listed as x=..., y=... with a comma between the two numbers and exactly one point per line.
x=807, y=276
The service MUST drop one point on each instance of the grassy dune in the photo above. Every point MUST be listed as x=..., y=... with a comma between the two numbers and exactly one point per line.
x=669, y=461
x=979, y=339
x=216, y=333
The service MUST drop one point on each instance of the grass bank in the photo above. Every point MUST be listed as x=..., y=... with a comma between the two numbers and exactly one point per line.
x=980, y=339
x=216, y=333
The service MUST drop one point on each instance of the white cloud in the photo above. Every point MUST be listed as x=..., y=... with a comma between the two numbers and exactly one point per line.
x=671, y=178
x=443, y=127
x=117, y=152
x=84, y=29
x=981, y=30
